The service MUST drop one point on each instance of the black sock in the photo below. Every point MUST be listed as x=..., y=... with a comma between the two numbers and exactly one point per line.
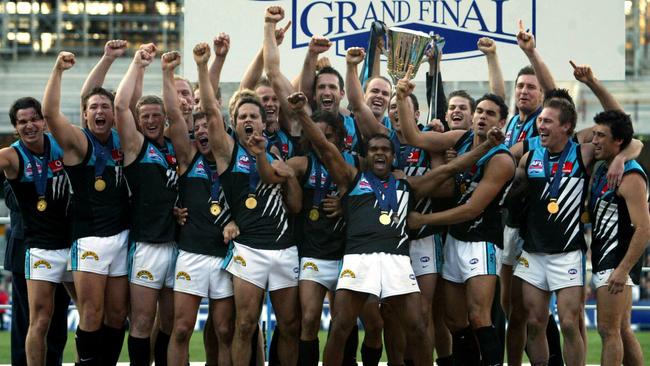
x=409, y=362
x=308, y=352
x=88, y=344
x=370, y=356
x=554, y=344
x=397, y=364
x=139, y=350
x=160, y=348
x=351, y=345
x=488, y=340
x=112, y=341
x=274, y=358
x=464, y=348
x=254, y=343
x=445, y=361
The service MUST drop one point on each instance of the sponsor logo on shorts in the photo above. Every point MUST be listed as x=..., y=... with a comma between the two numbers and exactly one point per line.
x=425, y=259
x=240, y=260
x=89, y=253
x=524, y=262
x=573, y=271
x=473, y=261
x=42, y=263
x=310, y=265
x=347, y=273
x=144, y=275
x=182, y=275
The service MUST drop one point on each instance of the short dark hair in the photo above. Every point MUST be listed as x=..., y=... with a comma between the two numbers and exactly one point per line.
x=249, y=100
x=560, y=94
x=97, y=91
x=567, y=111
x=619, y=123
x=463, y=94
x=329, y=70
x=24, y=103
x=334, y=120
x=380, y=136
x=148, y=100
x=198, y=115
x=365, y=88
x=503, y=107
x=526, y=70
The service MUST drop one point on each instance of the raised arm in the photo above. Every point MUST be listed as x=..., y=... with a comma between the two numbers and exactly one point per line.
x=71, y=139
x=489, y=49
x=342, y=173
x=220, y=142
x=317, y=45
x=113, y=49
x=177, y=125
x=130, y=138
x=366, y=120
x=585, y=75
x=221, y=46
x=526, y=42
x=256, y=144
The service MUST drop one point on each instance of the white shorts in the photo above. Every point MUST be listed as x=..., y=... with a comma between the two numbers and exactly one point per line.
x=272, y=269
x=600, y=278
x=379, y=274
x=467, y=259
x=322, y=271
x=513, y=245
x=202, y=275
x=551, y=272
x=426, y=255
x=152, y=265
x=47, y=265
x=101, y=255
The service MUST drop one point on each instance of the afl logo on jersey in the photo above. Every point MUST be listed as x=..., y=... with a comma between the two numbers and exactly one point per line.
x=182, y=275
x=144, y=275
x=347, y=273
x=90, y=254
x=239, y=260
x=244, y=163
x=43, y=264
x=536, y=166
x=310, y=265
x=200, y=169
x=153, y=154
x=364, y=184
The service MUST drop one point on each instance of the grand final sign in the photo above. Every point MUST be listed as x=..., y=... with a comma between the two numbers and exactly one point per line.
x=586, y=31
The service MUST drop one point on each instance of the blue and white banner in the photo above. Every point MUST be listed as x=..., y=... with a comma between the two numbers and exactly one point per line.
x=586, y=31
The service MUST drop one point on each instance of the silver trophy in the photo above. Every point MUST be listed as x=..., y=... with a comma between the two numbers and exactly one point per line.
x=406, y=47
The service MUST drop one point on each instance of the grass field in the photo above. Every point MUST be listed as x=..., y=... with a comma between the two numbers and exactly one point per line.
x=197, y=354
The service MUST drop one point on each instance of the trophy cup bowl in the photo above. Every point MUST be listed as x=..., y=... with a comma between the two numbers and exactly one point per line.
x=406, y=47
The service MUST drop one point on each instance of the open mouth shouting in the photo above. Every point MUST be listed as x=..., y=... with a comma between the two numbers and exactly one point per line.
x=248, y=130
x=327, y=103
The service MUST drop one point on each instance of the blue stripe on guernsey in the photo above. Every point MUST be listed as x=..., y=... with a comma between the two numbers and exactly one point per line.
x=491, y=256
x=27, y=263
x=351, y=138
x=386, y=122
x=536, y=167
x=74, y=251
x=130, y=258
x=228, y=257
x=243, y=162
x=56, y=160
x=282, y=142
x=311, y=178
x=438, y=247
x=532, y=143
x=115, y=149
x=517, y=131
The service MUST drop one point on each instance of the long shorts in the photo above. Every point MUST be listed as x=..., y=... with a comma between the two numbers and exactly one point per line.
x=467, y=259
x=379, y=274
x=102, y=255
x=322, y=271
x=49, y=265
x=202, y=275
x=551, y=272
x=152, y=265
x=271, y=269
x=426, y=255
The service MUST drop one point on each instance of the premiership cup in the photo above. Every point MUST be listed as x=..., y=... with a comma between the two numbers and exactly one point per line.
x=406, y=47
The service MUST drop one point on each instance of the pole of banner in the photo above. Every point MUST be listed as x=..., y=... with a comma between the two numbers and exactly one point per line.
x=438, y=44
x=377, y=31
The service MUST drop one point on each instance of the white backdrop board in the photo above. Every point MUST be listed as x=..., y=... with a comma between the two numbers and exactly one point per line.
x=587, y=31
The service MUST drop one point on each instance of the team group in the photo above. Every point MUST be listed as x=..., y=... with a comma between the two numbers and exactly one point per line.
x=431, y=235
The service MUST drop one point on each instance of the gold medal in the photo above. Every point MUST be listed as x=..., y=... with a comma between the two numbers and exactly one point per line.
x=100, y=184
x=314, y=214
x=553, y=207
x=41, y=205
x=384, y=219
x=251, y=202
x=463, y=188
x=584, y=217
x=215, y=209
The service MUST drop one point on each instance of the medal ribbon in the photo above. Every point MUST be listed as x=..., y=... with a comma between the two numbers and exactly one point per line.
x=556, y=179
x=319, y=188
x=101, y=152
x=213, y=176
x=253, y=175
x=386, y=195
x=40, y=178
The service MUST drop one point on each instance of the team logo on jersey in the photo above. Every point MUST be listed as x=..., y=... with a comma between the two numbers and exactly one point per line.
x=347, y=273
x=182, y=275
x=573, y=271
x=425, y=259
x=536, y=166
x=42, y=263
x=239, y=260
x=524, y=262
x=473, y=261
x=413, y=157
x=244, y=163
x=56, y=165
x=89, y=253
x=310, y=265
x=144, y=275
